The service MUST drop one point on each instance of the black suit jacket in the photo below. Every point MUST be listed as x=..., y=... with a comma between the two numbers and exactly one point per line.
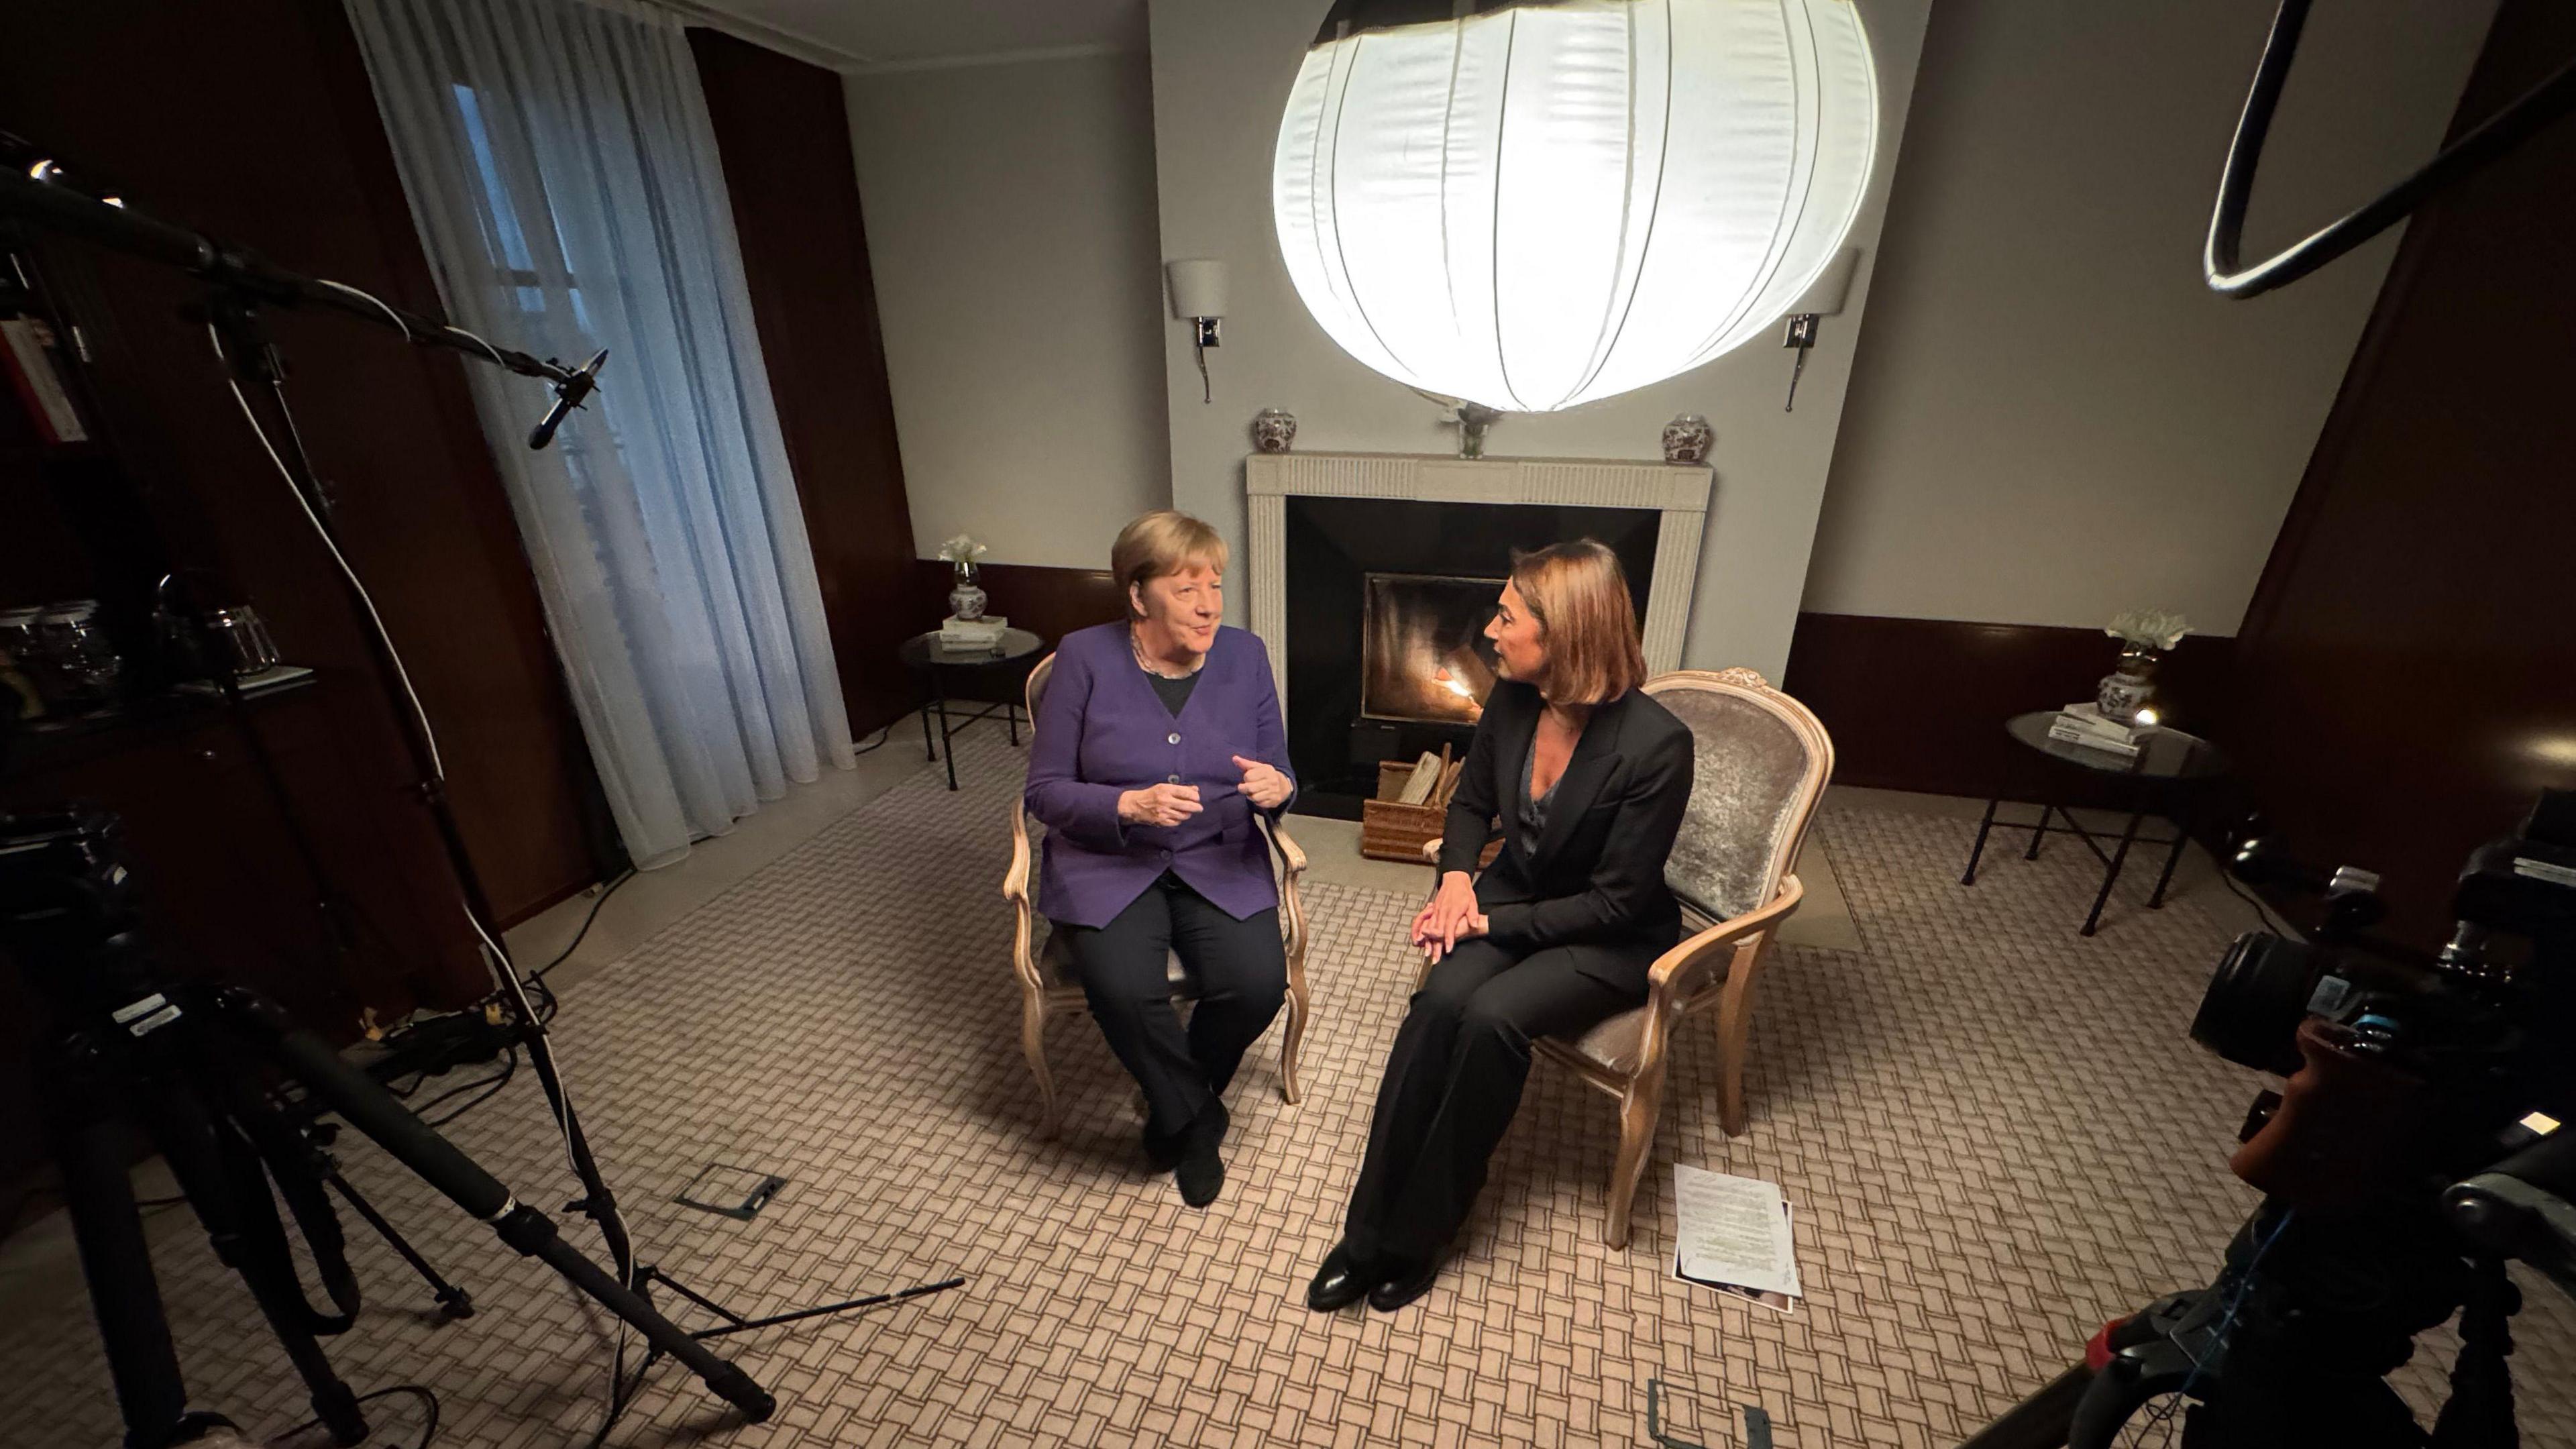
x=1593, y=880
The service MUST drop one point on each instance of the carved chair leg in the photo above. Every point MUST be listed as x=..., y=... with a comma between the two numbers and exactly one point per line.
x=1033, y=1046
x=1734, y=1021
x=1296, y=1035
x=1638, y=1111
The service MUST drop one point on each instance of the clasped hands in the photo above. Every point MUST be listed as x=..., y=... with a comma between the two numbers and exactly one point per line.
x=1451, y=917
x=1167, y=805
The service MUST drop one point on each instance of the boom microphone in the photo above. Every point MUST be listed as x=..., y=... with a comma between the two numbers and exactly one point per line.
x=568, y=395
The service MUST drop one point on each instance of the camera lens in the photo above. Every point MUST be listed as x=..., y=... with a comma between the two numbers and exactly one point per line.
x=2258, y=995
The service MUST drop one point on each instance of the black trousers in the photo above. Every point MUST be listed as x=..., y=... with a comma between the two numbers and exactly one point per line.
x=1242, y=968
x=1452, y=1083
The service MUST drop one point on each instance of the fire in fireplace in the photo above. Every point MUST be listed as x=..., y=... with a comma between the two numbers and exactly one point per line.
x=1423, y=653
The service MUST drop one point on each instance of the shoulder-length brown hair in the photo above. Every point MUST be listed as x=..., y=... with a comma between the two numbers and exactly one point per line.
x=1579, y=595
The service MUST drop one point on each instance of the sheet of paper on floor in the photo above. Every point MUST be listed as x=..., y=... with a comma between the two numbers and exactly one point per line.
x=1735, y=1232
x=1780, y=1303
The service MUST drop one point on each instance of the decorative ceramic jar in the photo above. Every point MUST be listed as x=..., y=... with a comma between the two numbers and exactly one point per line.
x=1687, y=439
x=1273, y=430
x=2125, y=690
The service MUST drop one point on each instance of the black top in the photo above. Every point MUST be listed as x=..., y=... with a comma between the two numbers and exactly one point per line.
x=1175, y=692
x=1591, y=878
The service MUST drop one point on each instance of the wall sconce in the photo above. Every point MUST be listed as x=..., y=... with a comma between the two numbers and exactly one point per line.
x=1824, y=299
x=1198, y=297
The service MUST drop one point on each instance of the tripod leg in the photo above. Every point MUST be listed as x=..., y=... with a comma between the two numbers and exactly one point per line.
x=368, y=1107
x=455, y=1302
x=188, y=1142
x=114, y=1257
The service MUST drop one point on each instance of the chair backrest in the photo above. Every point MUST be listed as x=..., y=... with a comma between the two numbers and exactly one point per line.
x=1763, y=760
x=1037, y=686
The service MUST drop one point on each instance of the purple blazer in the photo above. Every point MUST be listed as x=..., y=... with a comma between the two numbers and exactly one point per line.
x=1102, y=731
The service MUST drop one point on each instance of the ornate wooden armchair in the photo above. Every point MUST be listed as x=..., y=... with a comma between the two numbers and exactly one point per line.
x=1049, y=984
x=1762, y=764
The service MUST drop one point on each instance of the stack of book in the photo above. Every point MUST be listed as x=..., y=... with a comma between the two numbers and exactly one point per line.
x=2086, y=725
x=966, y=635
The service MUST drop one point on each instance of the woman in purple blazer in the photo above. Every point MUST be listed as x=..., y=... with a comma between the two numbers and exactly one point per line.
x=1156, y=741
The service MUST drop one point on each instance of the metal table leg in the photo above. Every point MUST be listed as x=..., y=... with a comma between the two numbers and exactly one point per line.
x=929, y=751
x=2039, y=832
x=2181, y=818
x=947, y=734
x=2111, y=873
x=1979, y=849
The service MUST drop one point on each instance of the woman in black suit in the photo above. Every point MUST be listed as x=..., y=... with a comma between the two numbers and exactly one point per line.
x=1590, y=777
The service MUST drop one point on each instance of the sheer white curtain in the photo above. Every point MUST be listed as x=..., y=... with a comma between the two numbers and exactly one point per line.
x=563, y=174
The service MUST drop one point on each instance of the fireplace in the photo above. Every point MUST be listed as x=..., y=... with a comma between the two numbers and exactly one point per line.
x=1424, y=657
x=1385, y=598
x=1373, y=574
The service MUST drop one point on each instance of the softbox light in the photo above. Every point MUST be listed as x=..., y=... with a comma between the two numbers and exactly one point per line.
x=1534, y=205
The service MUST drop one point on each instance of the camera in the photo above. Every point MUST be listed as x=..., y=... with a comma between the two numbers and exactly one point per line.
x=2402, y=1071
x=2414, y=1147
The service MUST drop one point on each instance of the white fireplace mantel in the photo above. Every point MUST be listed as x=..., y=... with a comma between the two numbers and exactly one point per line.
x=1680, y=492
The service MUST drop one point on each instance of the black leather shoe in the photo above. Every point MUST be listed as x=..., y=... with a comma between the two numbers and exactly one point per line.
x=1341, y=1282
x=1413, y=1281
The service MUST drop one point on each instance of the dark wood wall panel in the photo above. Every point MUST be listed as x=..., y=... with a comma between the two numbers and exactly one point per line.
x=2409, y=664
x=784, y=135
x=1050, y=602
x=1920, y=704
x=255, y=123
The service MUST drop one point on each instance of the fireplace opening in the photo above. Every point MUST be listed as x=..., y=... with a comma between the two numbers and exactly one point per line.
x=1424, y=657
x=1385, y=594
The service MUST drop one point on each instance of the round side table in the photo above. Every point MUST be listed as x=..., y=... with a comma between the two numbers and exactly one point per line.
x=2167, y=771
x=1008, y=662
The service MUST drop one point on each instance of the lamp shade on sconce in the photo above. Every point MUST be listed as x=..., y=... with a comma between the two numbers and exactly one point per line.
x=1534, y=205
x=1198, y=287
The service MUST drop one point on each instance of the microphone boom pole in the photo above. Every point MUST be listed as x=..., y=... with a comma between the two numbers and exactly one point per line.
x=60, y=207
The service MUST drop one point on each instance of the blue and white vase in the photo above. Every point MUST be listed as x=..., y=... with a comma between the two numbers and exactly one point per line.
x=966, y=601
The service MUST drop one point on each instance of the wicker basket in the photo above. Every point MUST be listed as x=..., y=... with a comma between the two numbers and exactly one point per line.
x=1393, y=830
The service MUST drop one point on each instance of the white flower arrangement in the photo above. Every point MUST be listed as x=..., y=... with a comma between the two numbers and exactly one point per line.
x=2156, y=629
x=962, y=550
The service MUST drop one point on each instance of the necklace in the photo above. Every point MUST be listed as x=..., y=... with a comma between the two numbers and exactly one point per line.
x=1146, y=663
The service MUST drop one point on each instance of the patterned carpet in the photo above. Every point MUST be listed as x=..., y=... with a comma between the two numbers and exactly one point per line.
x=1994, y=1132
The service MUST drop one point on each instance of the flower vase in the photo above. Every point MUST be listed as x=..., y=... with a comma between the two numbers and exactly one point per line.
x=967, y=600
x=2126, y=689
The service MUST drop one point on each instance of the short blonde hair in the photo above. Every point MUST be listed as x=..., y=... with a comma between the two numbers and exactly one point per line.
x=1579, y=595
x=1164, y=541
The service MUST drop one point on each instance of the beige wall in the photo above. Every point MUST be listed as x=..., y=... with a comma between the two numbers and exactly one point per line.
x=1010, y=216
x=1222, y=69
x=2052, y=418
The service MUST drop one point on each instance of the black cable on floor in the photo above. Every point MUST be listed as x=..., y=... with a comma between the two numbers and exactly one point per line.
x=2262, y=914
x=429, y=1414
x=539, y=975
x=882, y=736
x=492, y=1086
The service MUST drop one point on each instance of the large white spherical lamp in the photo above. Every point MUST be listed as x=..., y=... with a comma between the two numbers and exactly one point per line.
x=1533, y=205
